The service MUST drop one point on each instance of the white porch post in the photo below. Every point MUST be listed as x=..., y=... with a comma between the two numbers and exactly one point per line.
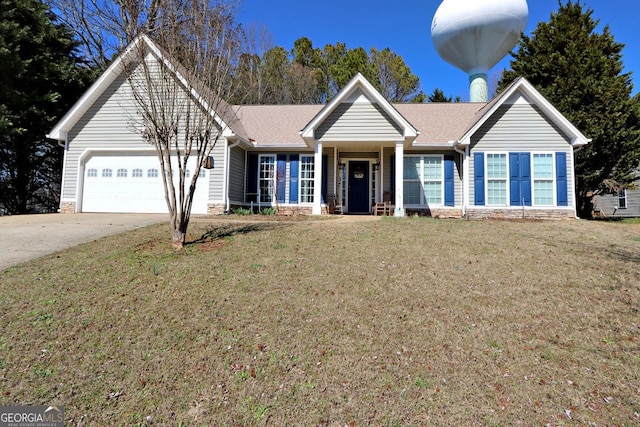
x=317, y=180
x=399, y=202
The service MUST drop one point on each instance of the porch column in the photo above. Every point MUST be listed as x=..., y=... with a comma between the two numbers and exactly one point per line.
x=399, y=202
x=317, y=180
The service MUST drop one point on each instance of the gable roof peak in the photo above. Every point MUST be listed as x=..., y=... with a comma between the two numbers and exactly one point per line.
x=522, y=85
x=138, y=50
x=358, y=89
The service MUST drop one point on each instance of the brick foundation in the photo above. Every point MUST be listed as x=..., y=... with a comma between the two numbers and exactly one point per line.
x=68, y=207
x=295, y=210
x=480, y=213
x=435, y=212
x=216, y=209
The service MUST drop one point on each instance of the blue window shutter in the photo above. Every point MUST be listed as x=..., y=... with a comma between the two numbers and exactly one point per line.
x=281, y=176
x=252, y=173
x=392, y=170
x=325, y=177
x=514, y=179
x=478, y=178
x=294, y=167
x=525, y=178
x=449, y=182
x=520, y=179
x=561, y=179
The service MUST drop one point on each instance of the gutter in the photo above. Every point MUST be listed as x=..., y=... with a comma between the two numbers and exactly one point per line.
x=434, y=145
x=61, y=139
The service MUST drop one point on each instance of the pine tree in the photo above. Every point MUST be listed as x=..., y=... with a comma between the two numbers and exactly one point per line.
x=580, y=71
x=438, y=96
x=41, y=76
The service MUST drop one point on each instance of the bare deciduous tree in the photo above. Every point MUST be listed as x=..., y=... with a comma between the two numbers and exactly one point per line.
x=178, y=61
x=179, y=82
x=105, y=27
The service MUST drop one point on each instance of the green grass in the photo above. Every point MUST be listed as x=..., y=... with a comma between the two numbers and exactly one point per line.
x=631, y=221
x=332, y=323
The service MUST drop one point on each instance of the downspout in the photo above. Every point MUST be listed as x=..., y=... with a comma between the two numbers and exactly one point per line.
x=226, y=174
x=463, y=163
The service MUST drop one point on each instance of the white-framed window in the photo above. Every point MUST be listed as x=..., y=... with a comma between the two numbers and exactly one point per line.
x=121, y=173
x=202, y=173
x=107, y=173
x=92, y=173
x=307, y=178
x=187, y=173
x=267, y=177
x=433, y=173
x=152, y=173
x=622, y=199
x=423, y=179
x=411, y=178
x=136, y=173
x=543, y=193
x=497, y=179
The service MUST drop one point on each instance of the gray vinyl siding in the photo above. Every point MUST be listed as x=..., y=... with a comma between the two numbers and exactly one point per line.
x=520, y=128
x=607, y=204
x=236, y=174
x=105, y=126
x=359, y=122
x=331, y=171
x=108, y=126
x=386, y=168
x=216, y=175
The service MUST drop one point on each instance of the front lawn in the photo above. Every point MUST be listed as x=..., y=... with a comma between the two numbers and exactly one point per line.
x=332, y=323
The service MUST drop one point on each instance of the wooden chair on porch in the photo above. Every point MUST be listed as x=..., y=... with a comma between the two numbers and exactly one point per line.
x=384, y=207
x=334, y=205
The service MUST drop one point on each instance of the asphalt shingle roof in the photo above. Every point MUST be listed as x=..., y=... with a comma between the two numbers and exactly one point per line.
x=440, y=122
x=275, y=124
x=281, y=124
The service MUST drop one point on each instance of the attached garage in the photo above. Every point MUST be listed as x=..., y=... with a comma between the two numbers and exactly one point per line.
x=132, y=183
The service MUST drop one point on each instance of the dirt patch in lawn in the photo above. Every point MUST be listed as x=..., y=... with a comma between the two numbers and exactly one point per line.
x=332, y=323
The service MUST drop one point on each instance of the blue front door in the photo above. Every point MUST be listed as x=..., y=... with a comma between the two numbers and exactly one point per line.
x=358, y=187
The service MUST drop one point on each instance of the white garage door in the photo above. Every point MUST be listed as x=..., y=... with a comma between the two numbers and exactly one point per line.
x=133, y=184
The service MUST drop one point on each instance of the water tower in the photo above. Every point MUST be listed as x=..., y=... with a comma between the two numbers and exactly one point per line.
x=473, y=35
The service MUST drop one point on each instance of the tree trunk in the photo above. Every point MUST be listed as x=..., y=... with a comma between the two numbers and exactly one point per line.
x=585, y=205
x=179, y=238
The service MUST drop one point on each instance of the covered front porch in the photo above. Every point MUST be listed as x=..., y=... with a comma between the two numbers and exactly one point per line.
x=357, y=150
x=366, y=137
x=358, y=179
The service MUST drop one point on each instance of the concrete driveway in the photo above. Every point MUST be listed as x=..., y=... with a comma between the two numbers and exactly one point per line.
x=27, y=237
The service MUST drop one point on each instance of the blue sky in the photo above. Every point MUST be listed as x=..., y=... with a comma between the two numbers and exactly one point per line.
x=404, y=26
